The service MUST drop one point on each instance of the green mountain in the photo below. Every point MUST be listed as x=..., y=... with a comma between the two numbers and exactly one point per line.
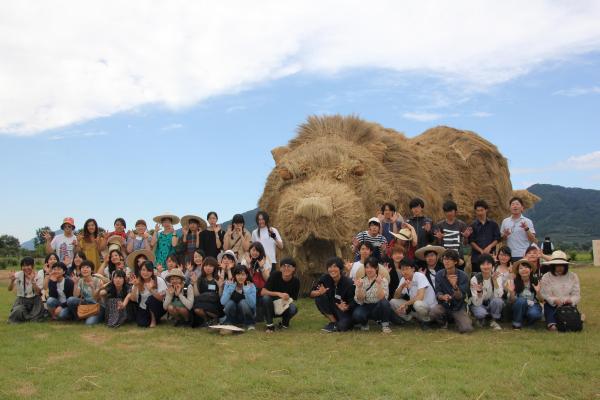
x=570, y=216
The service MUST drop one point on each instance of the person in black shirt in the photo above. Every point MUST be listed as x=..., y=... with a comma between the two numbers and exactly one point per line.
x=283, y=285
x=334, y=296
x=211, y=239
x=485, y=236
x=422, y=224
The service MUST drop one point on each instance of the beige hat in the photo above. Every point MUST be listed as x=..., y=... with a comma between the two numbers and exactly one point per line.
x=516, y=265
x=404, y=234
x=229, y=252
x=115, y=239
x=175, y=272
x=130, y=260
x=420, y=254
x=158, y=219
x=558, y=257
x=375, y=219
x=185, y=221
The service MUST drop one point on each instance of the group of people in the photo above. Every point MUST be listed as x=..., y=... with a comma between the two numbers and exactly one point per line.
x=403, y=270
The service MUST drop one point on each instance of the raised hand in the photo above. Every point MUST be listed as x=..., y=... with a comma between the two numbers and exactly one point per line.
x=193, y=277
x=11, y=276
x=427, y=226
x=159, y=268
x=156, y=228
x=188, y=266
x=171, y=289
x=322, y=290
x=438, y=233
x=131, y=234
x=468, y=232
x=358, y=283
x=184, y=231
x=47, y=236
x=510, y=285
x=506, y=232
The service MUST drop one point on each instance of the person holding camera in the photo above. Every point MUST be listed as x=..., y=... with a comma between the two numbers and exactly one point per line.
x=268, y=236
x=237, y=238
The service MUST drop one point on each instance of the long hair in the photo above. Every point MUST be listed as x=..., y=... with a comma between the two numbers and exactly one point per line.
x=266, y=218
x=87, y=236
x=112, y=267
x=212, y=262
x=519, y=285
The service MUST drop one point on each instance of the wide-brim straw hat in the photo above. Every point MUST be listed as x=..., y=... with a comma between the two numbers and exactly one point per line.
x=130, y=260
x=516, y=265
x=420, y=254
x=558, y=257
x=115, y=239
x=158, y=219
x=175, y=272
x=185, y=221
x=404, y=234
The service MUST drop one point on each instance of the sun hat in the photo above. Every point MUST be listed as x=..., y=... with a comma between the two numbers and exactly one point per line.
x=403, y=234
x=68, y=220
x=175, y=272
x=185, y=221
x=517, y=264
x=558, y=257
x=228, y=252
x=115, y=239
x=420, y=254
x=158, y=219
x=130, y=260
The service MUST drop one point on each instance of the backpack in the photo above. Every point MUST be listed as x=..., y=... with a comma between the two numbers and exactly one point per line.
x=568, y=319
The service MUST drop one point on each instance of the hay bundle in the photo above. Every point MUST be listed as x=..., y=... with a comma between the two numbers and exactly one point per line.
x=337, y=171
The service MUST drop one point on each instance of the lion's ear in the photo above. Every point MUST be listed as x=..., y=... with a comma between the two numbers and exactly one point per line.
x=278, y=153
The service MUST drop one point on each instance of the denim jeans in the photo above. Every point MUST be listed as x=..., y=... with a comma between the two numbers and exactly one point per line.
x=64, y=314
x=379, y=311
x=493, y=308
x=238, y=313
x=73, y=302
x=270, y=311
x=521, y=310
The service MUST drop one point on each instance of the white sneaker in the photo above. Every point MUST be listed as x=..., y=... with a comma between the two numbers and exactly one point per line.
x=386, y=329
x=495, y=326
x=250, y=328
x=364, y=327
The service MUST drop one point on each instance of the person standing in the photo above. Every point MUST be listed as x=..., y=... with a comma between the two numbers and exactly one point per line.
x=517, y=230
x=211, y=239
x=62, y=244
x=452, y=233
x=268, y=236
x=164, y=242
x=485, y=236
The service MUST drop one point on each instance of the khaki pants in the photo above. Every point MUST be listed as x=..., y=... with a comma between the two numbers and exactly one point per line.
x=420, y=310
x=441, y=314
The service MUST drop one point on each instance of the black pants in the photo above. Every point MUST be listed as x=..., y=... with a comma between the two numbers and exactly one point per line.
x=327, y=307
x=154, y=306
x=270, y=311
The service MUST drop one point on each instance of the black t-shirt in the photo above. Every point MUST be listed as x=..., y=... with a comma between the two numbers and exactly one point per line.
x=344, y=291
x=208, y=242
x=277, y=284
x=111, y=292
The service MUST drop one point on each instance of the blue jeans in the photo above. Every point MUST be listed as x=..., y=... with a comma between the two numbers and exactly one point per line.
x=270, y=311
x=493, y=308
x=238, y=313
x=379, y=311
x=64, y=314
x=550, y=314
x=73, y=302
x=521, y=310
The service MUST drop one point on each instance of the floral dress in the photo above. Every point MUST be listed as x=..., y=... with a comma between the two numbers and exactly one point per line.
x=164, y=247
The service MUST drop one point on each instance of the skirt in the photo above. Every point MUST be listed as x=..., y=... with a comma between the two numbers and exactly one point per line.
x=27, y=309
x=114, y=316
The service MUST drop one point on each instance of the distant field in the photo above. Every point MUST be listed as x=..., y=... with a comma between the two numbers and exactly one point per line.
x=71, y=361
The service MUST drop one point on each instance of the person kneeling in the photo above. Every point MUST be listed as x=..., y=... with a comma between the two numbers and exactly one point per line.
x=28, y=304
x=486, y=294
x=148, y=291
x=414, y=296
x=179, y=300
x=334, y=296
x=239, y=299
x=371, y=298
x=282, y=287
x=451, y=285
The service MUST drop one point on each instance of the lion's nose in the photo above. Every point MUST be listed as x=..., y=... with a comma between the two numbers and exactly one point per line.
x=313, y=208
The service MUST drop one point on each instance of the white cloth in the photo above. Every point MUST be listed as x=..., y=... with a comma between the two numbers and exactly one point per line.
x=419, y=281
x=517, y=241
x=161, y=288
x=63, y=246
x=60, y=288
x=267, y=241
x=26, y=290
x=355, y=267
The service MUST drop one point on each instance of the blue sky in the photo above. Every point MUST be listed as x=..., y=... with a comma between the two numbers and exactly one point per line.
x=86, y=149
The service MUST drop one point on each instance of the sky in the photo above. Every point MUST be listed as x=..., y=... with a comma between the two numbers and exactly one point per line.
x=112, y=109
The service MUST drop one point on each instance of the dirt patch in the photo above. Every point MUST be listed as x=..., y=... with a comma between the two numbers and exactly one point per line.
x=65, y=355
x=4, y=275
x=127, y=346
x=26, y=389
x=95, y=338
x=41, y=336
x=163, y=345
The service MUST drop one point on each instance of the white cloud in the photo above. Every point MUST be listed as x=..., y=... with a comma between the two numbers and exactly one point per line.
x=422, y=116
x=481, y=114
x=171, y=127
x=78, y=134
x=590, y=161
x=578, y=91
x=97, y=59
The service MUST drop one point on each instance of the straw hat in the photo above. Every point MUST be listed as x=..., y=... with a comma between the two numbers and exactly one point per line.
x=404, y=234
x=115, y=239
x=516, y=265
x=185, y=221
x=176, y=272
x=130, y=260
x=158, y=219
x=558, y=257
x=420, y=254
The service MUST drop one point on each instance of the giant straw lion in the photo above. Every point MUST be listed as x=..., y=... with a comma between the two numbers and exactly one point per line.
x=335, y=174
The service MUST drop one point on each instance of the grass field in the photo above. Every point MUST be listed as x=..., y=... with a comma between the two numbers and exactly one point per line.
x=66, y=360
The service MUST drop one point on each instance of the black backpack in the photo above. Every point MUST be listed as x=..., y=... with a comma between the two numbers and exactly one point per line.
x=568, y=319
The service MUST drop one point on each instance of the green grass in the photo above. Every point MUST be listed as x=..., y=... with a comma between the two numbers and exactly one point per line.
x=64, y=361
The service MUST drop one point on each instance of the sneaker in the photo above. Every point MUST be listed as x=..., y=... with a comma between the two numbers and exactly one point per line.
x=269, y=328
x=495, y=326
x=480, y=323
x=250, y=328
x=329, y=328
x=552, y=328
x=425, y=326
x=364, y=328
x=444, y=326
x=386, y=329
x=516, y=327
x=281, y=325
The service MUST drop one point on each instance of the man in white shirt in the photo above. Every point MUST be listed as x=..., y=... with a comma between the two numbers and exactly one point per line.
x=414, y=297
x=63, y=244
x=517, y=230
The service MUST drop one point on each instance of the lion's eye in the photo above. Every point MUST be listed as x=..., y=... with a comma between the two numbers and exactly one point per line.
x=285, y=173
x=358, y=170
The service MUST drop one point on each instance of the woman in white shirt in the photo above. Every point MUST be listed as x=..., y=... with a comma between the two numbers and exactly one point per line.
x=268, y=236
x=148, y=292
